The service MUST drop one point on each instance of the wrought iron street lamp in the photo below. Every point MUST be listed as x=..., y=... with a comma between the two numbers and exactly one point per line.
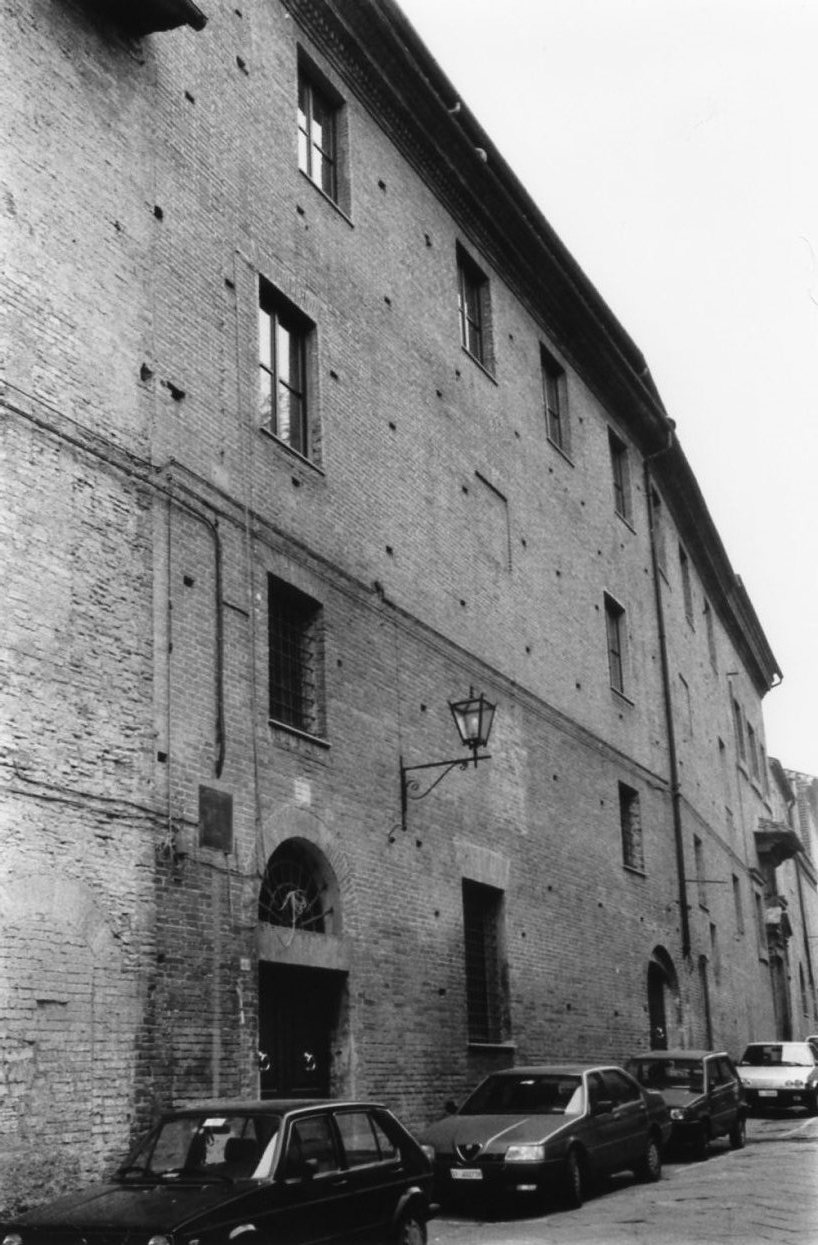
x=473, y=718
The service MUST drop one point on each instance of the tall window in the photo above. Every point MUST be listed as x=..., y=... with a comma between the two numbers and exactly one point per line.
x=684, y=567
x=658, y=529
x=715, y=951
x=283, y=335
x=482, y=937
x=711, y=634
x=630, y=821
x=753, y=751
x=295, y=655
x=738, y=726
x=761, y=922
x=555, y=399
x=615, y=630
x=738, y=905
x=620, y=471
x=317, y=136
x=698, y=856
x=473, y=308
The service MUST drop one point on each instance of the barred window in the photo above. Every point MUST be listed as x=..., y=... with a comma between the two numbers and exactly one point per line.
x=482, y=937
x=630, y=820
x=295, y=643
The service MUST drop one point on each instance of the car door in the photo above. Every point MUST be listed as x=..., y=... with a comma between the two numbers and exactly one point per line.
x=604, y=1128
x=630, y=1118
x=312, y=1191
x=722, y=1086
x=374, y=1169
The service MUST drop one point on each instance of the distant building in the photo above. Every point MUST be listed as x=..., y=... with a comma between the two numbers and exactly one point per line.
x=311, y=425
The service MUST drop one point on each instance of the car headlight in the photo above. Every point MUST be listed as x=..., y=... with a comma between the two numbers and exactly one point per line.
x=429, y=1151
x=160, y=1240
x=678, y=1113
x=795, y=1084
x=12, y=1238
x=525, y=1154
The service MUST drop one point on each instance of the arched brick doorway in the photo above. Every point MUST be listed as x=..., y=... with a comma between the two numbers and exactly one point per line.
x=663, y=999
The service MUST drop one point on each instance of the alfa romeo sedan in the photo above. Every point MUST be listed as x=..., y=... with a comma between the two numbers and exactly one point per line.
x=702, y=1089
x=780, y=1074
x=546, y=1132
x=259, y=1173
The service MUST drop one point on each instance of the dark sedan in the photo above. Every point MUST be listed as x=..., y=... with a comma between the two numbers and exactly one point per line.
x=258, y=1173
x=547, y=1131
x=704, y=1093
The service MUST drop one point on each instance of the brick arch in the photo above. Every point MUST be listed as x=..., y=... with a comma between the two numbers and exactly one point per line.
x=67, y=1037
x=294, y=822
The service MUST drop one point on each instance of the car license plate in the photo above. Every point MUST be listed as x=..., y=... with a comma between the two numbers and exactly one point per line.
x=466, y=1173
x=768, y=1093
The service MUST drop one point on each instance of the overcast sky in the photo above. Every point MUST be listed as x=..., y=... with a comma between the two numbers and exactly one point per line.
x=673, y=145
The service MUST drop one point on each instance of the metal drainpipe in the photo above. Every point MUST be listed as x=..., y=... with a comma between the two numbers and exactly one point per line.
x=675, y=792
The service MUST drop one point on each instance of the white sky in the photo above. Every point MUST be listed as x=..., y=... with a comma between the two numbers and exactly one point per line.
x=673, y=145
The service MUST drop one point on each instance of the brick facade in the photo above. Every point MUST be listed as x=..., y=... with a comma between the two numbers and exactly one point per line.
x=445, y=542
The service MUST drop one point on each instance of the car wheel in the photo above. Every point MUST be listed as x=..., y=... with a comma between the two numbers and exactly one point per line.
x=574, y=1192
x=650, y=1165
x=738, y=1134
x=411, y=1231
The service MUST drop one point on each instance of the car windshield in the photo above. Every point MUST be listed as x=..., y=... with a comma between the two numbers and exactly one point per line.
x=669, y=1073
x=535, y=1094
x=208, y=1146
x=779, y=1054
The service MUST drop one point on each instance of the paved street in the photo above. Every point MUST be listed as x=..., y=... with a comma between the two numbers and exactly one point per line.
x=767, y=1192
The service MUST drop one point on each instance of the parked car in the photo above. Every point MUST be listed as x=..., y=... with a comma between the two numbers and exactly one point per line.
x=780, y=1074
x=704, y=1093
x=258, y=1173
x=812, y=1038
x=547, y=1131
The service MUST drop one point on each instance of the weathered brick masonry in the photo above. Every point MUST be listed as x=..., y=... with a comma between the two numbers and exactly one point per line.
x=152, y=185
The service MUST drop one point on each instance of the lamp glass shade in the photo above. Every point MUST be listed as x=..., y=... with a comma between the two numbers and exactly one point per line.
x=473, y=719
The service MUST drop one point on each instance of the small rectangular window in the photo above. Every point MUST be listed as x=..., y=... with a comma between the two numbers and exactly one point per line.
x=687, y=590
x=698, y=855
x=317, y=135
x=715, y=952
x=711, y=634
x=473, y=305
x=738, y=905
x=283, y=338
x=295, y=656
x=620, y=471
x=555, y=400
x=738, y=726
x=761, y=922
x=482, y=938
x=615, y=630
x=630, y=821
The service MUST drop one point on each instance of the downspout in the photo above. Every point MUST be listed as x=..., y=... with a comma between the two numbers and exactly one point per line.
x=675, y=792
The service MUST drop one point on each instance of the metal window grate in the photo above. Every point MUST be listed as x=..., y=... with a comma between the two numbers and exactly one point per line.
x=293, y=633
x=481, y=937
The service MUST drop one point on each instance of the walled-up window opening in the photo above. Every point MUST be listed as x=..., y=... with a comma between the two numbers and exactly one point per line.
x=555, y=400
x=317, y=135
x=615, y=632
x=711, y=634
x=620, y=471
x=658, y=526
x=738, y=727
x=473, y=306
x=698, y=856
x=284, y=335
x=482, y=938
x=687, y=589
x=630, y=822
x=296, y=658
x=738, y=905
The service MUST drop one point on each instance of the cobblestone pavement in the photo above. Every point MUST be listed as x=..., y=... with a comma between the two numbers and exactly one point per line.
x=766, y=1194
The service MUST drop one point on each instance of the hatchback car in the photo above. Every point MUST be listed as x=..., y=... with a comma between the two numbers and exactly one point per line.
x=780, y=1074
x=283, y=1173
x=702, y=1089
x=547, y=1131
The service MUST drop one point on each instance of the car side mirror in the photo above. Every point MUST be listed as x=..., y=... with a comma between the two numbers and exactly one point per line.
x=451, y=1107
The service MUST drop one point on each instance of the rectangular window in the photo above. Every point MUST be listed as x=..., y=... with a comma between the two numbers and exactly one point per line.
x=620, y=470
x=555, y=400
x=482, y=938
x=473, y=306
x=317, y=136
x=753, y=751
x=615, y=629
x=711, y=634
x=698, y=856
x=657, y=522
x=283, y=337
x=761, y=923
x=737, y=905
x=295, y=655
x=738, y=726
x=715, y=952
x=630, y=821
x=765, y=777
x=687, y=591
